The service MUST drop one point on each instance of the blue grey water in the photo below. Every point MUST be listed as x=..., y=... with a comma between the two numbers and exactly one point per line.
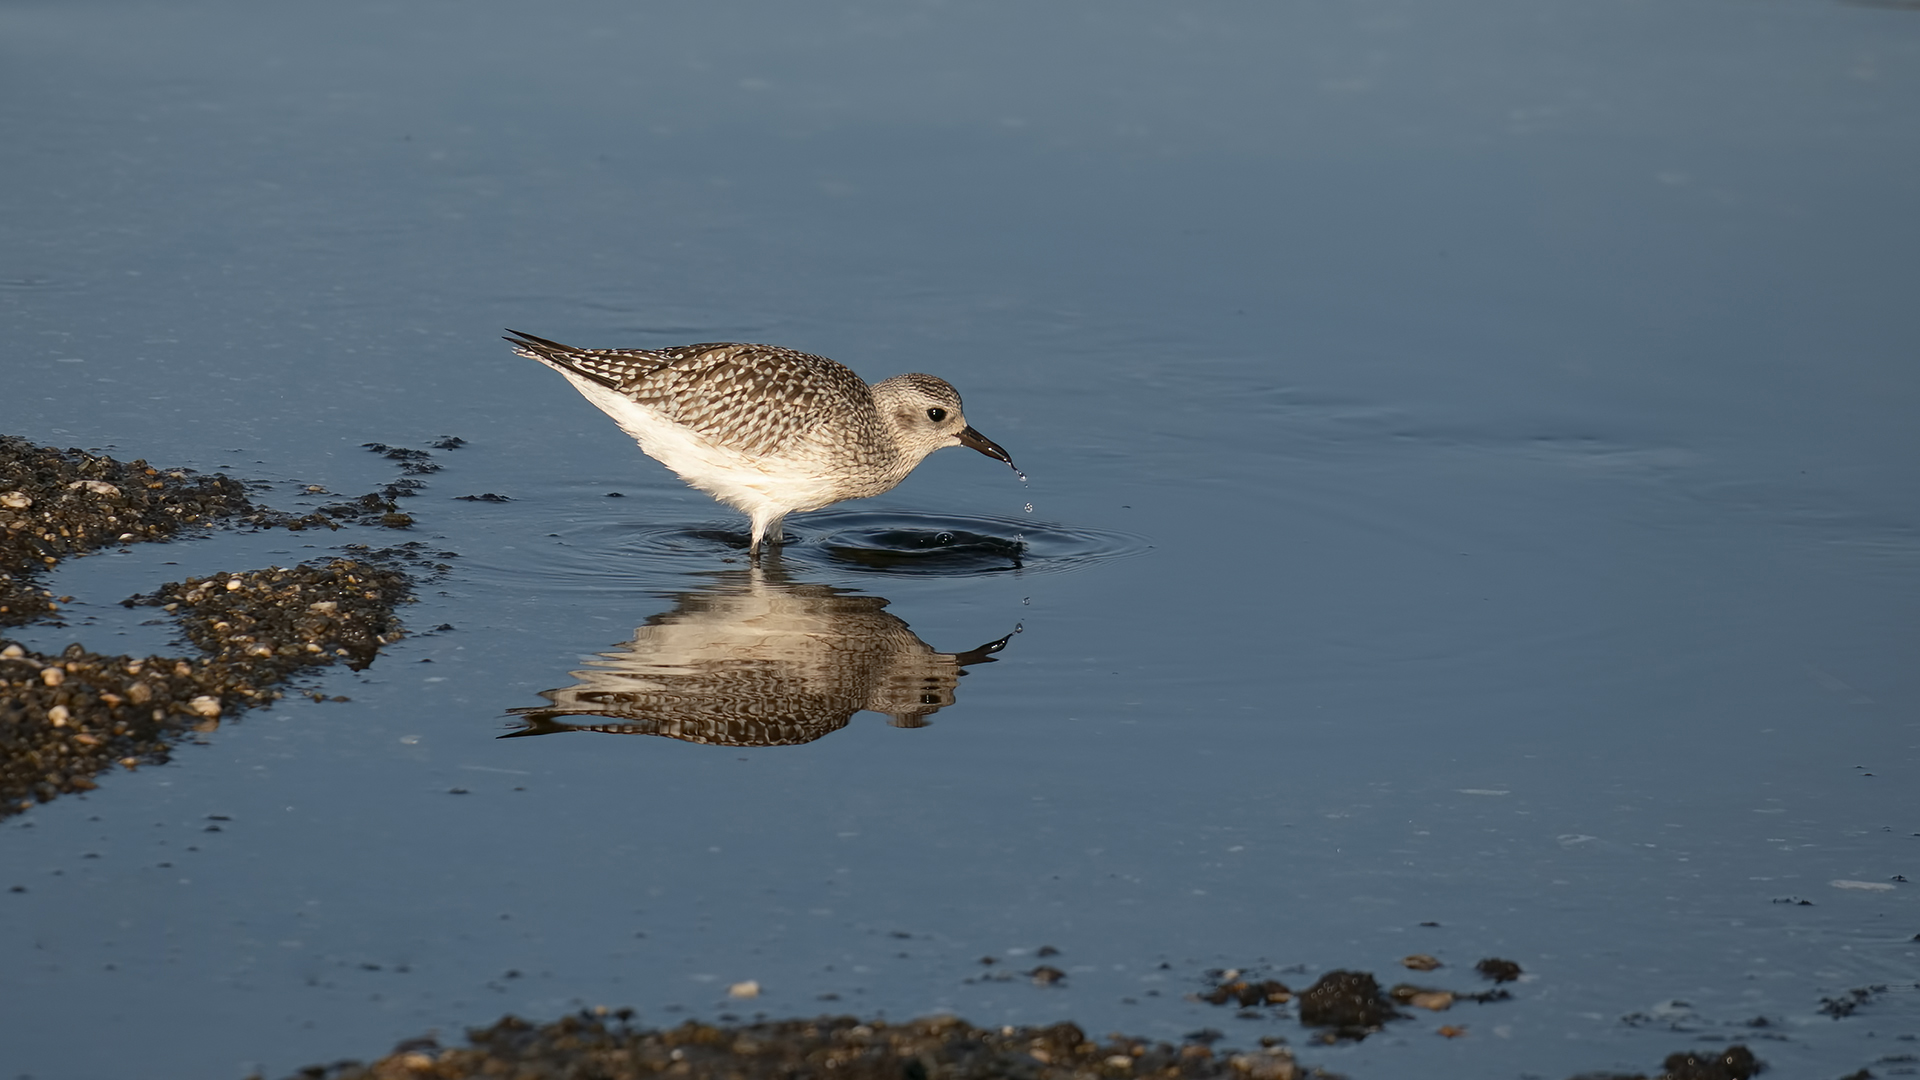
x=1473, y=465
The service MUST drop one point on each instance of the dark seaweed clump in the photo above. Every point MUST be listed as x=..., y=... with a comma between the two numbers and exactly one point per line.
x=587, y=1045
x=1348, y=1004
x=1500, y=971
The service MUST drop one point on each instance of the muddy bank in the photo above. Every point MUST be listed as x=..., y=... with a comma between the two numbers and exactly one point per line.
x=67, y=717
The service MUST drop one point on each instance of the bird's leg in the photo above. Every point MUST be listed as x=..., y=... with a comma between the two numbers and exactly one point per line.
x=766, y=528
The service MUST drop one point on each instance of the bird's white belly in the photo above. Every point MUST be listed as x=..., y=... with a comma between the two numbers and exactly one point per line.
x=744, y=482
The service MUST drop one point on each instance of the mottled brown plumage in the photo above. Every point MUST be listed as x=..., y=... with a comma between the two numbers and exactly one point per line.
x=767, y=430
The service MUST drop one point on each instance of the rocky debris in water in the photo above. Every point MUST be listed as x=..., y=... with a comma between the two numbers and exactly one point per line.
x=1348, y=1004
x=267, y=624
x=60, y=503
x=56, y=503
x=1347, y=1001
x=416, y=462
x=1500, y=971
x=1047, y=975
x=1734, y=1063
x=1419, y=962
x=380, y=507
x=588, y=1045
x=1422, y=997
x=374, y=508
x=1230, y=987
x=1848, y=1003
x=66, y=718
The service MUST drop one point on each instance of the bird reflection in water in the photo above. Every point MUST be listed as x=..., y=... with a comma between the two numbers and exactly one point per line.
x=758, y=660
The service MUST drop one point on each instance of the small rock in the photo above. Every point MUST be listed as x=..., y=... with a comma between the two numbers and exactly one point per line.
x=1500, y=971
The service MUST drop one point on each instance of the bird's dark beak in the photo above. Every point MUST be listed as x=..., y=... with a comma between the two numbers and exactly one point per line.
x=970, y=437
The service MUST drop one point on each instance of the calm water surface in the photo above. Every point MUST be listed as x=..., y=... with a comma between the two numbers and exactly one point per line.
x=1473, y=470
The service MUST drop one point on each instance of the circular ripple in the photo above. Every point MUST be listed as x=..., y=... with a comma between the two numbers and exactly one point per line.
x=622, y=554
x=905, y=542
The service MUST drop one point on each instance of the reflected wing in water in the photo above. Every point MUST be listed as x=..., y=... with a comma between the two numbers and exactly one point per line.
x=756, y=660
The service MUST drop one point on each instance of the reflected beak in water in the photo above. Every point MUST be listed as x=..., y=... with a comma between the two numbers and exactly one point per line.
x=970, y=437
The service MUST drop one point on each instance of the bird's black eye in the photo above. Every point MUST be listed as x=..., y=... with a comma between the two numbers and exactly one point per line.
x=936, y=415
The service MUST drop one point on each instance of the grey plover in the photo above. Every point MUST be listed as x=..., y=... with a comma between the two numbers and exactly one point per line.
x=766, y=430
x=757, y=659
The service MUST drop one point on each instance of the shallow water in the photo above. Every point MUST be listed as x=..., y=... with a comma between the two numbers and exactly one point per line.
x=1472, y=470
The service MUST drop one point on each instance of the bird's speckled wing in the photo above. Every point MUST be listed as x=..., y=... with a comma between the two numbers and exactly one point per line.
x=753, y=399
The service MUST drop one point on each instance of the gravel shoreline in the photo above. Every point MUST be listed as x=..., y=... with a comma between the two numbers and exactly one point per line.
x=66, y=718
